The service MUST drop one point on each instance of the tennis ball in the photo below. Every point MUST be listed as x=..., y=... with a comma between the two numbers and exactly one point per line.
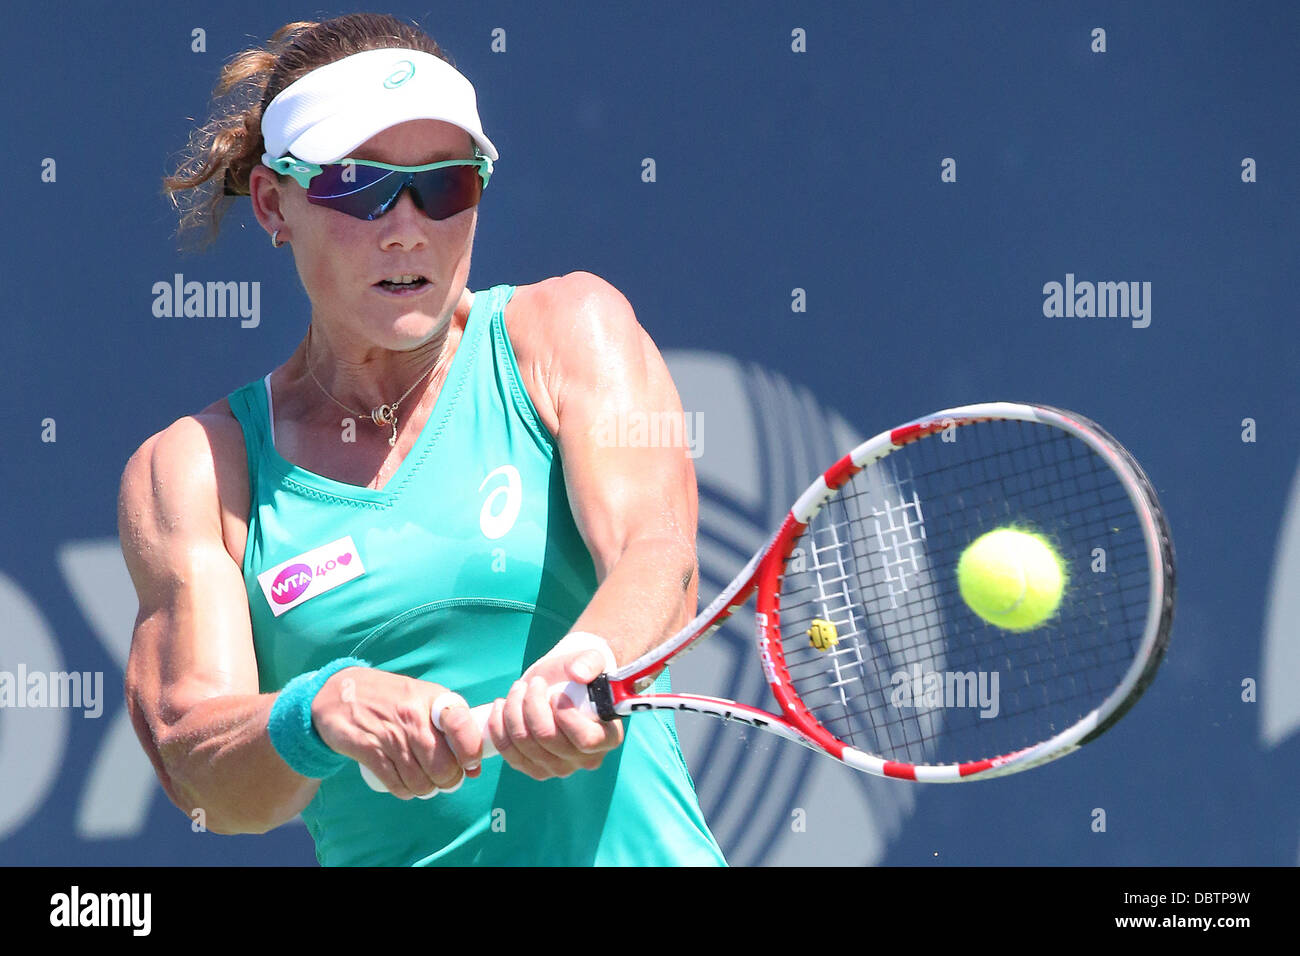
x=1014, y=579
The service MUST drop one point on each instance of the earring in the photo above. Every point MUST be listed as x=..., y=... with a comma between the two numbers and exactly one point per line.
x=275, y=239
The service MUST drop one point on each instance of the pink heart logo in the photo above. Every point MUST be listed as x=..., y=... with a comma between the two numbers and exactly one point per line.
x=345, y=558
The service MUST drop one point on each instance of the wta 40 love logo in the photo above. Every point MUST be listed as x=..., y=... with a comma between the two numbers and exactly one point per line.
x=290, y=583
x=310, y=574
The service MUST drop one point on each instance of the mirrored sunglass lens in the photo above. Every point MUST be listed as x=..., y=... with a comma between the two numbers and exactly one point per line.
x=359, y=191
x=442, y=193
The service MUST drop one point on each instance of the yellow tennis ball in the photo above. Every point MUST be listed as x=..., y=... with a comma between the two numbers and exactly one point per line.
x=822, y=634
x=1014, y=579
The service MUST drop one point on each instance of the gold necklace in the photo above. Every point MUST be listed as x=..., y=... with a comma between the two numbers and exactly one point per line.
x=381, y=414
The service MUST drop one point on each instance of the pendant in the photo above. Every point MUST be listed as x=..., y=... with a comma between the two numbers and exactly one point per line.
x=386, y=415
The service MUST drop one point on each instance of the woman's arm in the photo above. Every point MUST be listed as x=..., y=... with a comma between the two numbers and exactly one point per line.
x=631, y=486
x=630, y=481
x=191, y=679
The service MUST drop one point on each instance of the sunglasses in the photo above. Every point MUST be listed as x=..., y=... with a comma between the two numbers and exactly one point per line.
x=366, y=190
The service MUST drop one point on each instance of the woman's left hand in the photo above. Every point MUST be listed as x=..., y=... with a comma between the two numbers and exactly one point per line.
x=544, y=735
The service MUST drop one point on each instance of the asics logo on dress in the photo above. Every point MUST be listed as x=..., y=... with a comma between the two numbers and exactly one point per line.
x=501, y=507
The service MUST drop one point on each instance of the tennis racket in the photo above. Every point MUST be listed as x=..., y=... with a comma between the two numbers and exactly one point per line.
x=908, y=682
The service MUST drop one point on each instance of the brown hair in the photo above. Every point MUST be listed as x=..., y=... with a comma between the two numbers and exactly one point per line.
x=223, y=151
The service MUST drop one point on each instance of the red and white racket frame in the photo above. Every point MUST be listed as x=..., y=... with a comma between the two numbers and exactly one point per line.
x=616, y=694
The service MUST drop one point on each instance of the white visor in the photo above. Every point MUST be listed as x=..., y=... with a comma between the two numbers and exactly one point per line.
x=328, y=113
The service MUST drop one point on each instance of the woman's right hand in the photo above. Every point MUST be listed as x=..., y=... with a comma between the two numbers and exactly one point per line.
x=383, y=721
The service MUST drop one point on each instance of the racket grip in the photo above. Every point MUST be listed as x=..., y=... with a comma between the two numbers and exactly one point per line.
x=576, y=694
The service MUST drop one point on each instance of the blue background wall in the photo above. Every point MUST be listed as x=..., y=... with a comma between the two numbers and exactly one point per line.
x=776, y=171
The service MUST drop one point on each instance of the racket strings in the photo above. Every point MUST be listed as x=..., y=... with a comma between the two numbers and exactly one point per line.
x=914, y=674
x=835, y=603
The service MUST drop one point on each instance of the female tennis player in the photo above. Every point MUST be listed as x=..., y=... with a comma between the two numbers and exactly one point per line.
x=417, y=506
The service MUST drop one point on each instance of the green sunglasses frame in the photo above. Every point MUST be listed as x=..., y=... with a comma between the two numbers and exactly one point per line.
x=303, y=172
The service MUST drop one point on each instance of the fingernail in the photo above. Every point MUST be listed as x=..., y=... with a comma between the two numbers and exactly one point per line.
x=471, y=768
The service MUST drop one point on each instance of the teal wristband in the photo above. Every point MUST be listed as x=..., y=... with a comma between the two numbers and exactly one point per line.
x=290, y=729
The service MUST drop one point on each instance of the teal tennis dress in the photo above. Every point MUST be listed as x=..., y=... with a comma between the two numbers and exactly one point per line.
x=464, y=569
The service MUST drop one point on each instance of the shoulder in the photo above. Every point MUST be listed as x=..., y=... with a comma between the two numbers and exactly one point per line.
x=573, y=329
x=568, y=317
x=190, y=475
x=190, y=449
x=578, y=300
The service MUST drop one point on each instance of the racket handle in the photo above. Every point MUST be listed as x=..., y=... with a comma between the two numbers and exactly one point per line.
x=576, y=693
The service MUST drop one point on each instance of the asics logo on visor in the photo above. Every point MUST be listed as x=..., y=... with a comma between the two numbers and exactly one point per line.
x=405, y=70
